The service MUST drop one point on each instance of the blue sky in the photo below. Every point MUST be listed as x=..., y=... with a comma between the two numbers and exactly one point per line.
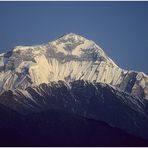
x=120, y=28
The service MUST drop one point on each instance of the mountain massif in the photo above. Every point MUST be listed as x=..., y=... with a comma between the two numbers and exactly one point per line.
x=74, y=75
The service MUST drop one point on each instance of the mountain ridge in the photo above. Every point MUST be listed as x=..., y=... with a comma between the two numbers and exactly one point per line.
x=96, y=101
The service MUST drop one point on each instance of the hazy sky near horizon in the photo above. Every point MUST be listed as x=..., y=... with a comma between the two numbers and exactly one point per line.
x=120, y=28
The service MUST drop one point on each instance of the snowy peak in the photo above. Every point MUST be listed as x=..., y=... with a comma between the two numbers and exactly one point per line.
x=76, y=45
x=72, y=37
x=70, y=44
x=70, y=57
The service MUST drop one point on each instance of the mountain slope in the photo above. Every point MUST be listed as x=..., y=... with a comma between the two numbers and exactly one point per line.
x=71, y=57
x=91, y=100
x=59, y=128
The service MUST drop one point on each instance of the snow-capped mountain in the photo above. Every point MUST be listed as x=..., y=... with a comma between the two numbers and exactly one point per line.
x=71, y=57
x=74, y=74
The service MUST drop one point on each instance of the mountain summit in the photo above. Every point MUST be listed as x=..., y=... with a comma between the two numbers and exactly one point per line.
x=70, y=57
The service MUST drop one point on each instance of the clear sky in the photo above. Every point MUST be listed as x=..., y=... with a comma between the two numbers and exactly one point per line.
x=120, y=28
